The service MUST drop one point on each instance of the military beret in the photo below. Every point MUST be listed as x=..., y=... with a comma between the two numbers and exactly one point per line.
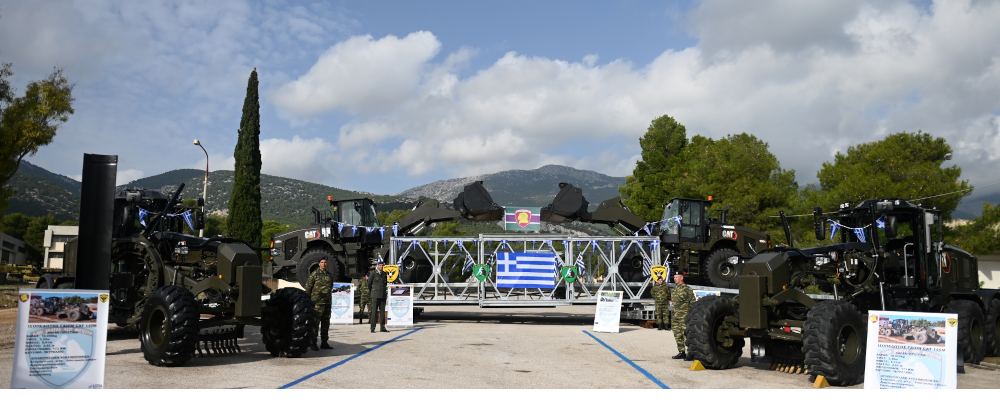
x=322, y=259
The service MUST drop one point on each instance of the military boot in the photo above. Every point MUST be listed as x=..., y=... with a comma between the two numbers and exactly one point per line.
x=680, y=355
x=315, y=347
x=659, y=327
x=325, y=345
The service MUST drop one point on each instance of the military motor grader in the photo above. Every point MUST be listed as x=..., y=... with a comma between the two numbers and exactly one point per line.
x=868, y=269
x=184, y=292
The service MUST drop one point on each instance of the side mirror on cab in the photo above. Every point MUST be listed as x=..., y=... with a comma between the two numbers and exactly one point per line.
x=890, y=227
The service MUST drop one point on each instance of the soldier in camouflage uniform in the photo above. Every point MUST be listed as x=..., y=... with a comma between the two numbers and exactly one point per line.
x=320, y=289
x=683, y=298
x=378, y=283
x=661, y=294
x=364, y=295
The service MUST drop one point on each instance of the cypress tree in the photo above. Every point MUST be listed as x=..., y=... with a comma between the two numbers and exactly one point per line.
x=244, y=202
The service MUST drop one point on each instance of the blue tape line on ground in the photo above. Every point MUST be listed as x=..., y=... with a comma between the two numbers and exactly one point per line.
x=345, y=361
x=637, y=367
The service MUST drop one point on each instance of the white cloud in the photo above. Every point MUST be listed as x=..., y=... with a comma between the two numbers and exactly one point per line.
x=808, y=80
x=360, y=75
x=127, y=176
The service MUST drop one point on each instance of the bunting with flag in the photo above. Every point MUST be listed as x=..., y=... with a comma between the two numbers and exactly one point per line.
x=581, y=265
x=142, y=216
x=834, y=226
x=860, y=232
x=881, y=222
x=187, y=218
x=646, y=267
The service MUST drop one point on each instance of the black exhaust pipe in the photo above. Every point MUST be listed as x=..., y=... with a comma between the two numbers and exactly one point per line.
x=97, y=196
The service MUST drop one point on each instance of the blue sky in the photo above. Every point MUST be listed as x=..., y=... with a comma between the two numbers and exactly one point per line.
x=384, y=96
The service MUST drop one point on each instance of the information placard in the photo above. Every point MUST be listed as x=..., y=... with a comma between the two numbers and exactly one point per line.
x=911, y=350
x=61, y=339
x=700, y=293
x=609, y=310
x=399, y=306
x=342, y=304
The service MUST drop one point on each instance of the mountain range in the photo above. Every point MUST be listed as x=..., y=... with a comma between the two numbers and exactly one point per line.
x=289, y=201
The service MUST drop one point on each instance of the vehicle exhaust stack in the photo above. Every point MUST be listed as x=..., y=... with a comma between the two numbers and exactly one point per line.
x=97, y=195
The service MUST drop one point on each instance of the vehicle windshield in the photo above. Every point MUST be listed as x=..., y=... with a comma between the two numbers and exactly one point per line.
x=670, y=225
x=358, y=213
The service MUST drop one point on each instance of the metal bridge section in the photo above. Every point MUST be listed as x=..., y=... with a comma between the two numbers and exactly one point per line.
x=451, y=281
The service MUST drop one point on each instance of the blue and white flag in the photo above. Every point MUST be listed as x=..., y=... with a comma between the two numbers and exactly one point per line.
x=354, y=230
x=678, y=220
x=833, y=229
x=370, y=229
x=646, y=267
x=340, y=227
x=187, y=218
x=142, y=216
x=860, y=232
x=526, y=270
x=381, y=231
x=594, y=244
x=881, y=222
x=469, y=262
x=654, y=244
x=581, y=265
x=395, y=230
x=646, y=228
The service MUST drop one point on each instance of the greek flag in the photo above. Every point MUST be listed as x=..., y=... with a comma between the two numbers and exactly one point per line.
x=581, y=265
x=340, y=227
x=833, y=229
x=646, y=228
x=395, y=230
x=881, y=222
x=646, y=267
x=187, y=218
x=354, y=230
x=860, y=232
x=678, y=220
x=526, y=270
x=142, y=216
x=468, y=263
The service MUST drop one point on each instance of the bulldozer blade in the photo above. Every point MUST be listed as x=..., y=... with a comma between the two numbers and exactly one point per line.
x=568, y=205
x=476, y=204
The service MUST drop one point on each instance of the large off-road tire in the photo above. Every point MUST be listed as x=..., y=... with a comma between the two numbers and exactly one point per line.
x=66, y=286
x=920, y=337
x=73, y=315
x=704, y=324
x=971, y=330
x=295, y=323
x=993, y=328
x=719, y=271
x=833, y=341
x=168, y=329
x=310, y=261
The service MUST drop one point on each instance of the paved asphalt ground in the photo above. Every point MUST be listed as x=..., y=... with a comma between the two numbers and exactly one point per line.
x=460, y=348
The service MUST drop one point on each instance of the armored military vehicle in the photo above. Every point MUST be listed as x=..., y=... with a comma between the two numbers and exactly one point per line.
x=890, y=255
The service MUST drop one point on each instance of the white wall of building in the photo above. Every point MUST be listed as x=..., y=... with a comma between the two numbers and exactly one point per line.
x=55, y=244
x=989, y=270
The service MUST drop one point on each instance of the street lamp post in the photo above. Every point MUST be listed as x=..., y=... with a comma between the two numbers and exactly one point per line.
x=204, y=193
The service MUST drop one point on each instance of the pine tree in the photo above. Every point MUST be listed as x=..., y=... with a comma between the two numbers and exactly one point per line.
x=653, y=181
x=244, y=203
